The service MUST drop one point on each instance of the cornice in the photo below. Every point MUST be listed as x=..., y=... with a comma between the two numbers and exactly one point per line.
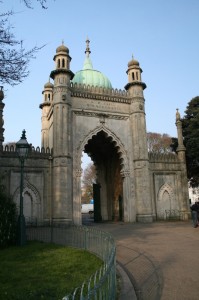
x=99, y=115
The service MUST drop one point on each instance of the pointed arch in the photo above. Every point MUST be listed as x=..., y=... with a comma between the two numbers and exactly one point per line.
x=118, y=144
x=165, y=200
x=32, y=201
x=168, y=189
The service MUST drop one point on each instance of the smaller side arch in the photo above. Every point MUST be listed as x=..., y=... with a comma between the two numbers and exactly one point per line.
x=32, y=206
x=165, y=200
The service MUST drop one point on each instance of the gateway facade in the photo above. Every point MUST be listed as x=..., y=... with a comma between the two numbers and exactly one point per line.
x=82, y=113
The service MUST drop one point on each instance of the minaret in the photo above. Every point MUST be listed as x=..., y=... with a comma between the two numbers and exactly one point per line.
x=61, y=101
x=1, y=118
x=135, y=88
x=62, y=136
x=181, y=148
x=45, y=106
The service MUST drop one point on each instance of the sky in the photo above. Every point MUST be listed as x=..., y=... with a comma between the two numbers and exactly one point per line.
x=162, y=35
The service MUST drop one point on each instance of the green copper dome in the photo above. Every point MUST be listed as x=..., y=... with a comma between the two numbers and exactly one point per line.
x=89, y=76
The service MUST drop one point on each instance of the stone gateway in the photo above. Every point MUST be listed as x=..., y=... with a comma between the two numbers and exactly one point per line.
x=82, y=113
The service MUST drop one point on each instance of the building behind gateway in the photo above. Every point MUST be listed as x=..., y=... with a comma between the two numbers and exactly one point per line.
x=82, y=113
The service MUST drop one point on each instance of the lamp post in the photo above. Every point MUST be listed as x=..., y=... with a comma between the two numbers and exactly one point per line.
x=22, y=148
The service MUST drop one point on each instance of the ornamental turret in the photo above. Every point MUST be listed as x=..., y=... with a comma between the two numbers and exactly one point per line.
x=61, y=104
x=62, y=64
x=135, y=88
x=134, y=75
x=45, y=106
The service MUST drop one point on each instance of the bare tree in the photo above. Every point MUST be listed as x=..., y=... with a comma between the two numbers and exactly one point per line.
x=28, y=3
x=14, y=59
x=159, y=143
x=89, y=177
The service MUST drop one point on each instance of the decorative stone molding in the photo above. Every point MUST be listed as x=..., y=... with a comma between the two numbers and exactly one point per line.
x=99, y=93
x=95, y=114
x=140, y=164
x=30, y=189
x=62, y=161
x=165, y=187
x=125, y=173
x=122, y=152
x=163, y=157
x=78, y=173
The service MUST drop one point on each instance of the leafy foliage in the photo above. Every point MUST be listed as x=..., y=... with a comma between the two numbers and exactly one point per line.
x=159, y=143
x=8, y=219
x=190, y=126
x=89, y=177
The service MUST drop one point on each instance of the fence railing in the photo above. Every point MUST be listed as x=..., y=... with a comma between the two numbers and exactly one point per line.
x=102, y=284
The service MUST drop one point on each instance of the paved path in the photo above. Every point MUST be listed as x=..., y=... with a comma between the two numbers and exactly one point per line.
x=161, y=259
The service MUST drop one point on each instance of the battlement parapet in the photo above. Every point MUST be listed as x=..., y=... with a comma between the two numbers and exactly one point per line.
x=100, y=93
x=163, y=157
x=10, y=150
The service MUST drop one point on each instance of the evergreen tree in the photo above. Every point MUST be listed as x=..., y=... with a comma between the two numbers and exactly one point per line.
x=190, y=125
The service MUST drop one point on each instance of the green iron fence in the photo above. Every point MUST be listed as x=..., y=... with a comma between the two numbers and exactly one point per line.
x=102, y=284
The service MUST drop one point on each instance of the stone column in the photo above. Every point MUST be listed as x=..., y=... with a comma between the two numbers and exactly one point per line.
x=129, y=207
x=184, y=199
x=77, y=217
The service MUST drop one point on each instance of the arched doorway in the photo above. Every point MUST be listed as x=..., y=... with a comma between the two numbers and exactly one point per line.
x=117, y=193
x=108, y=190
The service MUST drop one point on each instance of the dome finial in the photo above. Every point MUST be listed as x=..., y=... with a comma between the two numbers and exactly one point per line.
x=177, y=114
x=87, y=47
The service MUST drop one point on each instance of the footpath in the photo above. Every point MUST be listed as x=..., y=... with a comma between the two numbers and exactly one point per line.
x=156, y=261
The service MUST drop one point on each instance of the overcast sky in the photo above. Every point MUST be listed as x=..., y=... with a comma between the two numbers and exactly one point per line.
x=163, y=35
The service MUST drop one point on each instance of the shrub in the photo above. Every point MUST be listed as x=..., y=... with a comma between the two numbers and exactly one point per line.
x=8, y=219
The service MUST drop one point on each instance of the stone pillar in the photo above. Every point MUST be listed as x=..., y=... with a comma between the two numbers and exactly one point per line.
x=62, y=190
x=129, y=207
x=77, y=217
x=143, y=195
x=184, y=199
x=181, y=148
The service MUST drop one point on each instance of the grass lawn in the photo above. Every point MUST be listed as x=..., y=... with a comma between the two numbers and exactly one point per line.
x=43, y=271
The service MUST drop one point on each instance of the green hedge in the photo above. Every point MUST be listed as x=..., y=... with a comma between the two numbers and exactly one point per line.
x=8, y=219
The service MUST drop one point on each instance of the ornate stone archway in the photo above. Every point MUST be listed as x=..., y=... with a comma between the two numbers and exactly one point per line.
x=125, y=193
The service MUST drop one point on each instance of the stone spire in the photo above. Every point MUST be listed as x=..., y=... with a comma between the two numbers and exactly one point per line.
x=181, y=148
x=1, y=118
